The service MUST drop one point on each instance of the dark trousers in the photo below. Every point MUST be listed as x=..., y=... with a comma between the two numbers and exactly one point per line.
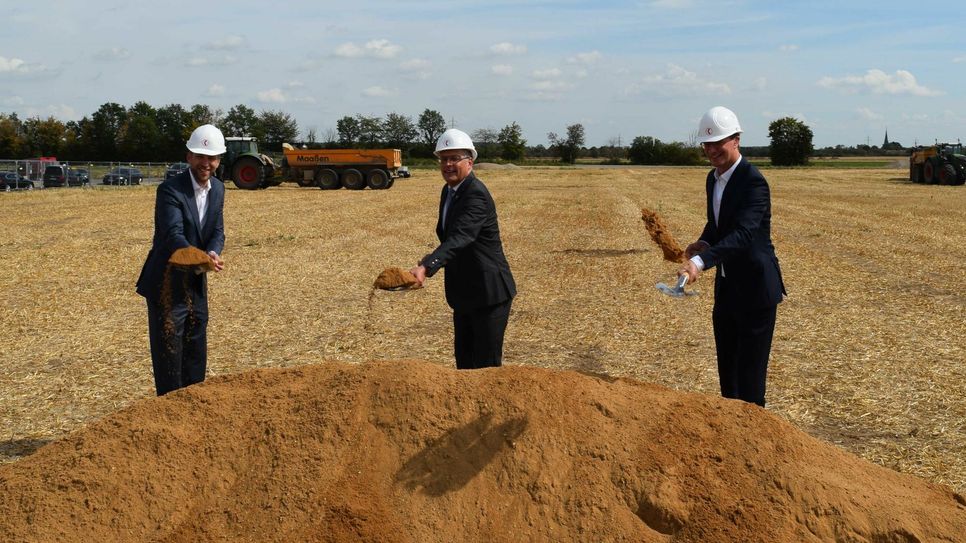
x=179, y=348
x=478, y=336
x=742, y=339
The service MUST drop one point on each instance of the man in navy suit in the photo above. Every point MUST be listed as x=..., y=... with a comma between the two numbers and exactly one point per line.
x=736, y=241
x=478, y=283
x=187, y=212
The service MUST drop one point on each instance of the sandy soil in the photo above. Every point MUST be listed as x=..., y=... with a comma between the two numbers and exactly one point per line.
x=401, y=451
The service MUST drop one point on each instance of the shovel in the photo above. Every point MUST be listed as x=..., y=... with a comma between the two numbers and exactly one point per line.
x=677, y=290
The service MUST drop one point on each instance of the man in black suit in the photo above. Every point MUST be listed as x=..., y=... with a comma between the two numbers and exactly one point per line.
x=478, y=283
x=187, y=212
x=737, y=242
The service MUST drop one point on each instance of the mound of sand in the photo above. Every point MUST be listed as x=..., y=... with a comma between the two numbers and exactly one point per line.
x=410, y=451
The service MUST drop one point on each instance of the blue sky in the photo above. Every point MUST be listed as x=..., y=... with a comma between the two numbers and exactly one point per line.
x=850, y=69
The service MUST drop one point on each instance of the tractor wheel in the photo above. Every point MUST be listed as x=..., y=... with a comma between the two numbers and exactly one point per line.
x=327, y=179
x=947, y=175
x=917, y=174
x=378, y=179
x=929, y=173
x=247, y=173
x=352, y=179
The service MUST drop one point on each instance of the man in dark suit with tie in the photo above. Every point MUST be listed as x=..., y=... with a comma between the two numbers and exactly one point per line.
x=478, y=283
x=187, y=212
x=736, y=241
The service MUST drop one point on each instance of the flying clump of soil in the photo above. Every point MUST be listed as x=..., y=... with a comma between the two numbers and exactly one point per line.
x=660, y=234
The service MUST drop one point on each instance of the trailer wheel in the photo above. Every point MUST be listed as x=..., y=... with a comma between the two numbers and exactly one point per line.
x=378, y=179
x=353, y=179
x=915, y=175
x=247, y=173
x=303, y=182
x=929, y=173
x=327, y=179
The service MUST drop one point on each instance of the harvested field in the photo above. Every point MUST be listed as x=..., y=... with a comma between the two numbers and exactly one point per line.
x=869, y=346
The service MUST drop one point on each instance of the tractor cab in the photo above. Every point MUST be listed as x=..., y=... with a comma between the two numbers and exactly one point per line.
x=236, y=147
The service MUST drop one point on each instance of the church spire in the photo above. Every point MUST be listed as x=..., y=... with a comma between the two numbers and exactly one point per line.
x=886, y=142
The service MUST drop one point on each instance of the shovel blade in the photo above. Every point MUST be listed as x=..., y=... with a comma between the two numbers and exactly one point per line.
x=676, y=291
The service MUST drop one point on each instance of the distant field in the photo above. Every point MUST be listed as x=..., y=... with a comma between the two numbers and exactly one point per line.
x=869, y=349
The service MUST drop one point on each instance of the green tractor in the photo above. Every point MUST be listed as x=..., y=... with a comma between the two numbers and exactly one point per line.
x=245, y=166
x=943, y=163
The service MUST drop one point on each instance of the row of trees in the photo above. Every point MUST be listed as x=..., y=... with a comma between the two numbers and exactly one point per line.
x=144, y=133
x=140, y=133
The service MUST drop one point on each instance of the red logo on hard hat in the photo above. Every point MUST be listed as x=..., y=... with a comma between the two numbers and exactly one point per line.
x=205, y=143
x=709, y=130
x=448, y=142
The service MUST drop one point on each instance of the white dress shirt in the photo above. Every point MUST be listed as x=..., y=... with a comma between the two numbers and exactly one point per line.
x=201, y=197
x=720, y=182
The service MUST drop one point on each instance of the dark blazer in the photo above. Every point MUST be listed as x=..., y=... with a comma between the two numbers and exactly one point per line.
x=742, y=242
x=477, y=272
x=176, y=225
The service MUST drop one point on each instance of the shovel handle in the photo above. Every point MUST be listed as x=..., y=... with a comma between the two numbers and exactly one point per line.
x=683, y=280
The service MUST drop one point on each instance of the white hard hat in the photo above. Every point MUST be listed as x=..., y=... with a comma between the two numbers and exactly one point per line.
x=454, y=139
x=717, y=124
x=206, y=140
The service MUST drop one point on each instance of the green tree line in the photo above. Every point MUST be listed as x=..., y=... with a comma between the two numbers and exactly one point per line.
x=143, y=133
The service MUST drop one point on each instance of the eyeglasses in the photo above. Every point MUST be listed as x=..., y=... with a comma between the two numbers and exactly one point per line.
x=453, y=159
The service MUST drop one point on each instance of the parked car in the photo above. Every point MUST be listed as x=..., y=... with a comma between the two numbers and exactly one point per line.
x=123, y=176
x=78, y=176
x=14, y=181
x=55, y=176
x=175, y=169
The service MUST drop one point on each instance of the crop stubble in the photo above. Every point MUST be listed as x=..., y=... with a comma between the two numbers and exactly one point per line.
x=868, y=351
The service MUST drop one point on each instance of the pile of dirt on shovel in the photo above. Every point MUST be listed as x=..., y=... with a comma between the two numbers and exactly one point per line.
x=404, y=451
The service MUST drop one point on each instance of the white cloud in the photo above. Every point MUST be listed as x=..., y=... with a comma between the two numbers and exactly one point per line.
x=501, y=69
x=759, y=84
x=417, y=68
x=11, y=101
x=378, y=92
x=272, y=96
x=507, y=48
x=201, y=62
x=19, y=66
x=114, y=53
x=61, y=111
x=383, y=49
x=672, y=4
x=229, y=43
x=581, y=73
x=585, y=58
x=960, y=59
x=547, y=74
x=215, y=90
x=295, y=84
x=279, y=96
x=550, y=86
x=677, y=81
x=869, y=115
x=878, y=82
x=788, y=48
